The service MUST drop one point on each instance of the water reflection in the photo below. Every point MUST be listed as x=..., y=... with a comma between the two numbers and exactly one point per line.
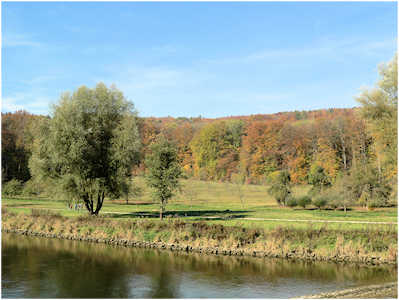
x=49, y=268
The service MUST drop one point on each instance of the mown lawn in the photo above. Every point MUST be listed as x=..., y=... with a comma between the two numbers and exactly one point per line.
x=217, y=203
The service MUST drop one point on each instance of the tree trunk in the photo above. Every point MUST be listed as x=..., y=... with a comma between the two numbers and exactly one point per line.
x=88, y=203
x=344, y=156
x=353, y=155
x=100, y=201
x=161, y=211
x=379, y=167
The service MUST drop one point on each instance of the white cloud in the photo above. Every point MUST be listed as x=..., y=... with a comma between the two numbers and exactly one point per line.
x=327, y=47
x=165, y=49
x=19, y=40
x=39, y=80
x=147, y=79
x=29, y=101
x=9, y=104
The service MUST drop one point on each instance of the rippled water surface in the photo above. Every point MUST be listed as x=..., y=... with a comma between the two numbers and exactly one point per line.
x=50, y=268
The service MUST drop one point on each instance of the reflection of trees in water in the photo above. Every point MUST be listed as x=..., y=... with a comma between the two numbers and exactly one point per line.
x=164, y=284
x=56, y=273
x=105, y=271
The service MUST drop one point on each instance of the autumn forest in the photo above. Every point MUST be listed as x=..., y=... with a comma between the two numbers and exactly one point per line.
x=350, y=151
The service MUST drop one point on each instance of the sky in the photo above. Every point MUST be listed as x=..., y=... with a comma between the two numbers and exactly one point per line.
x=191, y=59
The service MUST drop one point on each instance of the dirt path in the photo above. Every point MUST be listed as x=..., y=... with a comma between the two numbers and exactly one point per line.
x=322, y=221
x=253, y=219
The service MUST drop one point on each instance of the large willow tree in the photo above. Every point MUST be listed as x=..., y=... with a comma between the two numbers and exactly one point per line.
x=89, y=145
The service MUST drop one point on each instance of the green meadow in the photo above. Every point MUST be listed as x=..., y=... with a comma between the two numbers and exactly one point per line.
x=220, y=203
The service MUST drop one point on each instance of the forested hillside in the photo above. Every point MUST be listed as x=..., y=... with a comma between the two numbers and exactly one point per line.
x=353, y=148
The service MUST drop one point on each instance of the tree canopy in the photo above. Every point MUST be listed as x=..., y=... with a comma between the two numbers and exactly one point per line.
x=89, y=145
x=163, y=171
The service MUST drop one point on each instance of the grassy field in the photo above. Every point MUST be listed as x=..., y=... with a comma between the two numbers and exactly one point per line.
x=219, y=203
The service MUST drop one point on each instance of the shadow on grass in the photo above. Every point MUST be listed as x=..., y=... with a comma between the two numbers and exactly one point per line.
x=220, y=218
x=207, y=214
x=134, y=203
x=18, y=205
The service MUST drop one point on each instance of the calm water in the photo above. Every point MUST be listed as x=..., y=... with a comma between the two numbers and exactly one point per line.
x=49, y=268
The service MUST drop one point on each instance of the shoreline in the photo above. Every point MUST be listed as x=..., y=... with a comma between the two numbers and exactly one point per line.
x=386, y=290
x=368, y=246
x=372, y=260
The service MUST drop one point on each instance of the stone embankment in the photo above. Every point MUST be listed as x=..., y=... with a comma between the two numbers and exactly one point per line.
x=309, y=255
x=387, y=290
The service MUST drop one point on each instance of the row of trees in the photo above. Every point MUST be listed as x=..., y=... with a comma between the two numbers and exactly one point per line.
x=215, y=150
x=366, y=171
x=94, y=141
x=256, y=147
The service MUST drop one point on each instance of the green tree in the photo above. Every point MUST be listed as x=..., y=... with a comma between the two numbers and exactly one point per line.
x=366, y=186
x=318, y=178
x=379, y=108
x=304, y=200
x=163, y=171
x=341, y=193
x=16, y=141
x=292, y=202
x=281, y=187
x=89, y=145
x=215, y=149
x=320, y=201
x=12, y=188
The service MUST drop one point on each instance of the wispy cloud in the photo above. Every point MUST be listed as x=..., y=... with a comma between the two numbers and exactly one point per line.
x=26, y=101
x=39, y=80
x=80, y=29
x=165, y=49
x=10, y=104
x=327, y=48
x=19, y=40
x=135, y=78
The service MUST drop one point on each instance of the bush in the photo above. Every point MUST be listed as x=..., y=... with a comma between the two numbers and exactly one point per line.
x=32, y=188
x=320, y=202
x=374, y=204
x=12, y=188
x=292, y=202
x=281, y=188
x=303, y=201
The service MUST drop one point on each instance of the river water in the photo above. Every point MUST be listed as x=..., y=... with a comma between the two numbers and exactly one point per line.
x=50, y=268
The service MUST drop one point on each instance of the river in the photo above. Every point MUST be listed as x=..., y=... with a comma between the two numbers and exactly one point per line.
x=50, y=268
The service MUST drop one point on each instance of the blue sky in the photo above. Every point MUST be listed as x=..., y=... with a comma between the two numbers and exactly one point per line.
x=190, y=59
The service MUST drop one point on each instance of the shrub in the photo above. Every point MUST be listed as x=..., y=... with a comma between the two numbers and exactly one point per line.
x=292, y=202
x=32, y=188
x=320, y=202
x=374, y=204
x=304, y=200
x=12, y=188
x=334, y=204
x=281, y=188
x=318, y=177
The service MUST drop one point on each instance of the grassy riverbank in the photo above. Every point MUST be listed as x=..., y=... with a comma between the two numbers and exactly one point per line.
x=370, y=244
